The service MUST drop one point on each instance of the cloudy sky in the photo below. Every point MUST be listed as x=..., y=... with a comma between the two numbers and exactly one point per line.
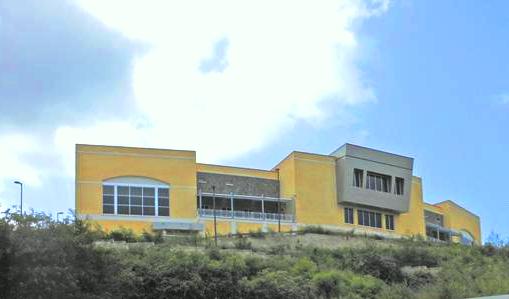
x=246, y=82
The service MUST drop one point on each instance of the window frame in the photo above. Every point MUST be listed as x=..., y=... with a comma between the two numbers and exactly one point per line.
x=378, y=182
x=389, y=225
x=358, y=181
x=369, y=218
x=396, y=186
x=348, y=215
x=156, y=188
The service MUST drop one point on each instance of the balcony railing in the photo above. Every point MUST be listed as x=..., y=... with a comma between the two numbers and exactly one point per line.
x=247, y=215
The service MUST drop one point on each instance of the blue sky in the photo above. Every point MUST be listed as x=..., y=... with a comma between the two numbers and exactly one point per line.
x=427, y=79
x=440, y=76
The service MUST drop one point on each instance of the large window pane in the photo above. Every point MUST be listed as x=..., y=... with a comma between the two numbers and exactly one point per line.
x=123, y=200
x=136, y=191
x=108, y=199
x=148, y=192
x=123, y=190
x=164, y=211
x=149, y=211
x=148, y=201
x=135, y=210
x=164, y=202
x=136, y=200
x=163, y=192
x=108, y=209
x=124, y=210
x=109, y=190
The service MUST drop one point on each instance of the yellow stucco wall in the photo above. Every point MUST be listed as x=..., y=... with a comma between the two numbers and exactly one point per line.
x=307, y=178
x=286, y=171
x=457, y=218
x=412, y=222
x=94, y=164
x=240, y=171
x=137, y=227
x=315, y=189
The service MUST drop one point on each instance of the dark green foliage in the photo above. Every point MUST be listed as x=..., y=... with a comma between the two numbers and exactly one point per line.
x=43, y=259
x=123, y=234
x=243, y=243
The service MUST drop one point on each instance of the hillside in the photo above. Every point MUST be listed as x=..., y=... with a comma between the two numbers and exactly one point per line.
x=43, y=259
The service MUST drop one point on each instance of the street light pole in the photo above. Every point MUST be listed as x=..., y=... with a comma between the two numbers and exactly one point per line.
x=279, y=215
x=21, y=195
x=59, y=213
x=214, y=209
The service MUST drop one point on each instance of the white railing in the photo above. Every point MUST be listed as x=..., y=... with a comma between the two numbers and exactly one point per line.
x=246, y=215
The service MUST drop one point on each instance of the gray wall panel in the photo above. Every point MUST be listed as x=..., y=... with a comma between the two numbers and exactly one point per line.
x=242, y=185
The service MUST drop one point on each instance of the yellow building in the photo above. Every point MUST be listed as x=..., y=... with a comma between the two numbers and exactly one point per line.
x=353, y=189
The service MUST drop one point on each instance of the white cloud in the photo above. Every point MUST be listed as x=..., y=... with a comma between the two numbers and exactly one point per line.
x=220, y=77
x=14, y=151
x=282, y=60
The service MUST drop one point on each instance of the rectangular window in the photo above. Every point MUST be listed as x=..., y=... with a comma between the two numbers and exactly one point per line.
x=399, y=186
x=163, y=198
x=133, y=200
x=378, y=182
x=389, y=222
x=108, y=199
x=368, y=218
x=358, y=176
x=349, y=215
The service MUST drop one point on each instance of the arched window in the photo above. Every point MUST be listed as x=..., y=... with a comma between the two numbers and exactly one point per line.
x=136, y=196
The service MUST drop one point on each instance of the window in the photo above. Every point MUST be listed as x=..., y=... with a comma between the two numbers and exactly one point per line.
x=378, y=182
x=368, y=218
x=349, y=215
x=163, y=201
x=108, y=199
x=135, y=200
x=358, y=176
x=389, y=222
x=399, y=186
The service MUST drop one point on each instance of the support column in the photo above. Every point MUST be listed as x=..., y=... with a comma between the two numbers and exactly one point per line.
x=231, y=205
x=201, y=204
x=263, y=209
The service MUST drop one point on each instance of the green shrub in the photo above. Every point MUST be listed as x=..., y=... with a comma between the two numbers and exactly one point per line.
x=257, y=234
x=316, y=229
x=123, y=234
x=243, y=243
x=156, y=237
x=386, y=268
x=279, y=284
x=333, y=284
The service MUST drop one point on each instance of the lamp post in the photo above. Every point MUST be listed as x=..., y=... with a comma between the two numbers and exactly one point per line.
x=21, y=194
x=214, y=209
x=59, y=213
x=279, y=215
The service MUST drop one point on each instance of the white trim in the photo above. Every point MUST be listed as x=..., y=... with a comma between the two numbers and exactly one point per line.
x=172, y=186
x=240, y=196
x=133, y=218
x=134, y=181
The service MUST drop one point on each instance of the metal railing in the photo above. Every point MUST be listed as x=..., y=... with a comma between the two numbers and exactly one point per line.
x=246, y=215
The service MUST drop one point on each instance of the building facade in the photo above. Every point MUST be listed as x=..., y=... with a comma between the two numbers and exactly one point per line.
x=353, y=188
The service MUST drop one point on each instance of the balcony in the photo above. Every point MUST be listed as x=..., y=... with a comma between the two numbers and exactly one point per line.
x=258, y=208
x=260, y=216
